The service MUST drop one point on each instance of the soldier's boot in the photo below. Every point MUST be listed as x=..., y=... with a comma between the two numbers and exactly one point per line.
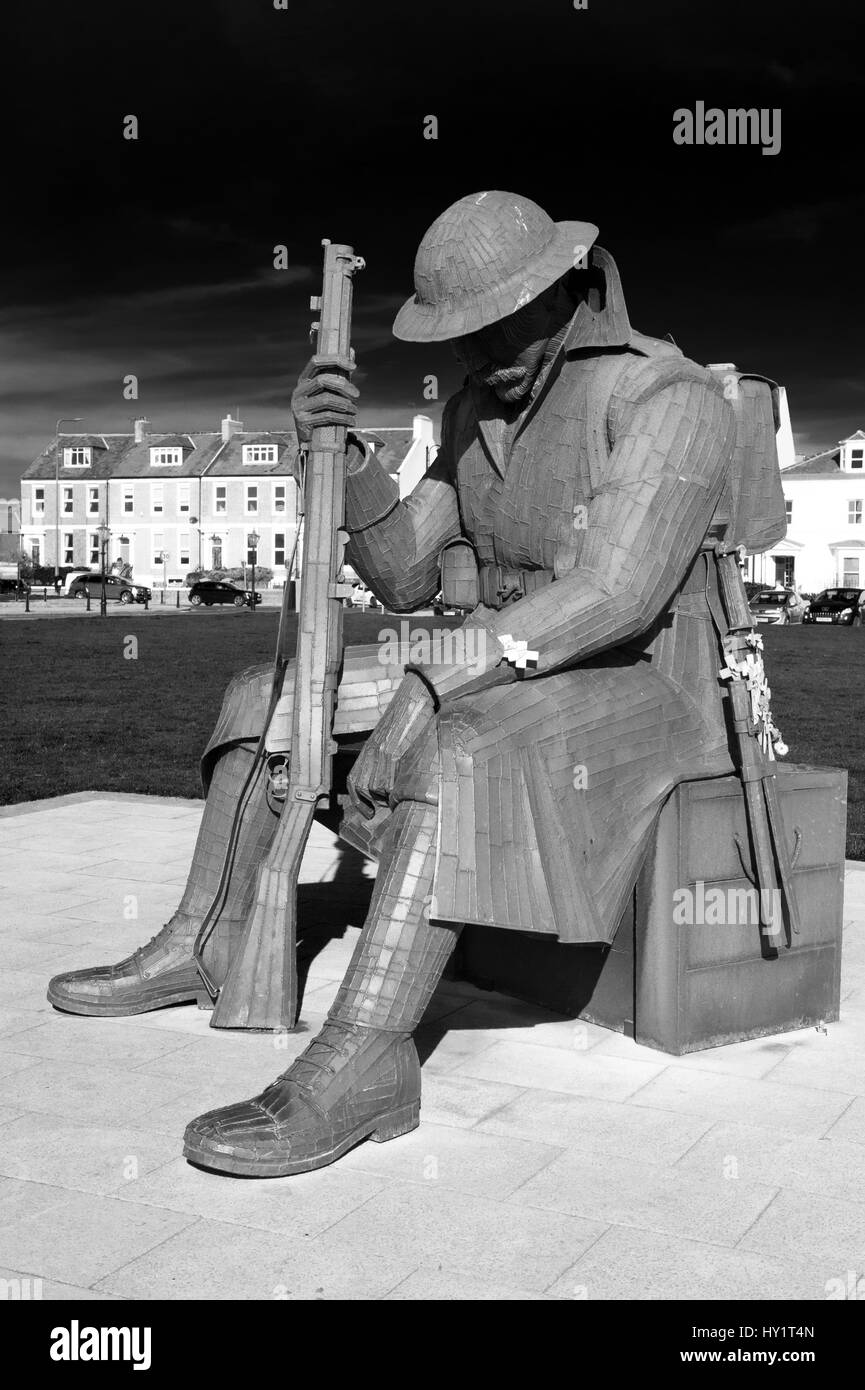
x=163, y=971
x=360, y=1077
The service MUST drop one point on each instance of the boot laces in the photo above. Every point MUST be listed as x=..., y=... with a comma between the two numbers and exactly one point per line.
x=168, y=929
x=320, y=1060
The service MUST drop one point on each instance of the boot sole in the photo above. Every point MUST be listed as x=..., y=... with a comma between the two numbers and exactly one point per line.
x=107, y=1009
x=210, y=1155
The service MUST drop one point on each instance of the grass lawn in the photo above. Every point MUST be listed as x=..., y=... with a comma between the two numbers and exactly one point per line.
x=78, y=715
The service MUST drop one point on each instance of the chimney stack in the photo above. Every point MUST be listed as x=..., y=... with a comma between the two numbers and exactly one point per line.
x=230, y=427
x=422, y=430
x=140, y=430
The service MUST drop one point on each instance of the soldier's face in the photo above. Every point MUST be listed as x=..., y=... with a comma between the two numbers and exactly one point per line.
x=506, y=355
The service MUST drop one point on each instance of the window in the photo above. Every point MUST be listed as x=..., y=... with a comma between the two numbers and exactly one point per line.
x=94, y=547
x=128, y=500
x=279, y=497
x=217, y=555
x=39, y=501
x=260, y=453
x=183, y=497
x=157, y=503
x=184, y=547
x=279, y=548
x=854, y=513
x=68, y=548
x=851, y=571
x=251, y=499
x=856, y=458
x=68, y=495
x=93, y=501
x=251, y=552
x=77, y=457
x=788, y=505
x=171, y=457
x=158, y=542
x=220, y=503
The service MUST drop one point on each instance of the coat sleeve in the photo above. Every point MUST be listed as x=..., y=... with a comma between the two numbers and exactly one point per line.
x=643, y=528
x=395, y=545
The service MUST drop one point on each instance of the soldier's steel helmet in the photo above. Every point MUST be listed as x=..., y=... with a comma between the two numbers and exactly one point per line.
x=484, y=258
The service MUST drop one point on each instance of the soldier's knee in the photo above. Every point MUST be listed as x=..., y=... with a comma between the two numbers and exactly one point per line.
x=245, y=703
x=247, y=686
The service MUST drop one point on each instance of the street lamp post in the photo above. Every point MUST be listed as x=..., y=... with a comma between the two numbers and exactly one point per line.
x=254, y=538
x=165, y=559
x=64, y=420
x=104, y=533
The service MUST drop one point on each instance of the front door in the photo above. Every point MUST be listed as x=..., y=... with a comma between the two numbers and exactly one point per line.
x=784, y=568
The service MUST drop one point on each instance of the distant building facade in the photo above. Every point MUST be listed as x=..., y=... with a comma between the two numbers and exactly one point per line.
x=825, y=541
x=177, y=502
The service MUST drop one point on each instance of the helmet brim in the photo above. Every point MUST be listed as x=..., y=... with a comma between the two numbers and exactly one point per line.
x=432, y=323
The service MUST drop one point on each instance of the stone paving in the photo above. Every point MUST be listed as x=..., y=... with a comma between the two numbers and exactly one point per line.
x=554, y=1160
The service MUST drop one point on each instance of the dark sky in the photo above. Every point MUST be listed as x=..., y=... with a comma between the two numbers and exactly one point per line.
x=260, y=126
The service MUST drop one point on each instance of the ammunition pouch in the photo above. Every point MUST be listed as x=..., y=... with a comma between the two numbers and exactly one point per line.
x=466, y=582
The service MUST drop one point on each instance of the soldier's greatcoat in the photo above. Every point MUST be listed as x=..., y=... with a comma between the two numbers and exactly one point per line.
x=601, y=500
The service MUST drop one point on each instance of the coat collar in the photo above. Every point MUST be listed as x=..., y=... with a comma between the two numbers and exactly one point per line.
x=601, y=322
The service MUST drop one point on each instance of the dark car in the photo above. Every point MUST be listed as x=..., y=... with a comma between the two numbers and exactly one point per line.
x=121, y=590
x=777, y=606
x=210, y=591
x=835, y=606
x=13, y=588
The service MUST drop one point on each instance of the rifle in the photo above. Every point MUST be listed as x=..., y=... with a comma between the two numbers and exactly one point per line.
x=756, y=741
x=260, y=991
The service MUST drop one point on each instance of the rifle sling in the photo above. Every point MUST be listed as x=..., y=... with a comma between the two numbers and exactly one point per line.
x=763, y=807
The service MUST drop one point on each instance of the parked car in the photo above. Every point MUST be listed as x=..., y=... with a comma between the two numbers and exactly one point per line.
x=363, y=598
x=121, y=590
x=840, y=606
x=210, y=591
x=70, y=577
x=777, y=606
x=13, y=588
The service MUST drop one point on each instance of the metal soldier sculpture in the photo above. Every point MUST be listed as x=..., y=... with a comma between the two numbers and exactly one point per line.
x=586, y=476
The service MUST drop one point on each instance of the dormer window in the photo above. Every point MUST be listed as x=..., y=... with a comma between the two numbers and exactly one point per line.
x=853, y=453
x=166, y=457
x=78, y=456
x=260, y=453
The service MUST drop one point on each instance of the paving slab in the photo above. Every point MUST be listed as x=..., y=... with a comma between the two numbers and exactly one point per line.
x=597, y=1126
x=81, y=1156
x=830, y=1167
x=829, y=1229
x=640, y=1264
x=83, y=1238
x=220, y=1260
x=630, y=1192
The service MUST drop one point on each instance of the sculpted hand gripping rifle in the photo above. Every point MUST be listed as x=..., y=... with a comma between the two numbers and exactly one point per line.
x=260, y=991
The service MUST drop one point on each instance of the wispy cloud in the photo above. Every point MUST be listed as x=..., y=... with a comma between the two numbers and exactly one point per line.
x=196, y=350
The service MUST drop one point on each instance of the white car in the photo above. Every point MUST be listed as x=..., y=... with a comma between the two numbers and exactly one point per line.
x=363, y=598
x=72, y=576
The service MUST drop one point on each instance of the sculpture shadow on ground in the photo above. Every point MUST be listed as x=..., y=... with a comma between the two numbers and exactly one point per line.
x=325, y=912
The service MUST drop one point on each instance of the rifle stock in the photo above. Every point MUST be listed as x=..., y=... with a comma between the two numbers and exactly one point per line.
x=772, y=862
x=260, y=991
